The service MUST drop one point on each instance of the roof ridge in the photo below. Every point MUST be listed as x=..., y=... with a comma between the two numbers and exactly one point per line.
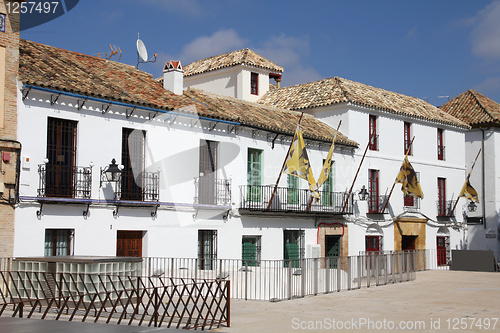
x=473, y=93
x=338, y=81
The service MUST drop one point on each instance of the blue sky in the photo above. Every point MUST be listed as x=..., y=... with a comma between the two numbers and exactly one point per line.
x=421, y=48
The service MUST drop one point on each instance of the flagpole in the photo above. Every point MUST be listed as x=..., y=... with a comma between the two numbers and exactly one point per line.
x=357, y=172
x=394, y=184
x=284, y=163
x=333, y=143
x=456, y=202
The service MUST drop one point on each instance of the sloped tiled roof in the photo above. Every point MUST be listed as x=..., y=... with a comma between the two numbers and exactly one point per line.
x=474, y=109
x=339, y=90
x=244, y=56
x=54, y=68
x=266, y=117
x=50, y=67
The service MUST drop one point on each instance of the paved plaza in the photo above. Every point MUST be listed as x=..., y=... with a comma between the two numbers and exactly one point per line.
x=437, y=301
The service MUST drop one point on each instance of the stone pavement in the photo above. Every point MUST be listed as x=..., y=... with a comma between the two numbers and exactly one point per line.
x=437, y=301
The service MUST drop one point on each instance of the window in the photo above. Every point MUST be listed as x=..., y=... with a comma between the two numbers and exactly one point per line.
x=373, y=133
x=207, y=191
x=373, y=188
x=254, y=174
x=207, y=249
x=293, y=190
x=407, y=138
x=372, y=243
x=440, y=144
x=293, y=247
x=250, y=250
x=254, y=83
x=328, y=196
x=442, y=209
x=133, y=145
x=58, y=242
x=61, y=153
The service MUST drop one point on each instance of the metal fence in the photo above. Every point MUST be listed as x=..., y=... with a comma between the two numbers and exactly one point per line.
x=277, y=280
x=151, y=301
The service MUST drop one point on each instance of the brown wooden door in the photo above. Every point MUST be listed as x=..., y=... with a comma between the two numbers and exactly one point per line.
x=129, y=243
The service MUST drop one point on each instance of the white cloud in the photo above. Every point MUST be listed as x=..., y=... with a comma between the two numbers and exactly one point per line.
x=289, y=52
x=489, y=86
x=485, y=36
x=286, y=51
x=219, y=42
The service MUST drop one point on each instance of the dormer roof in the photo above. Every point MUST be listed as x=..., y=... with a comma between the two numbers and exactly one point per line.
x=474, y=108
x=230, y=59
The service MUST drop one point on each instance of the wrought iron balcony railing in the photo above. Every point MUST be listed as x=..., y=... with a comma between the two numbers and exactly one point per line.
x=444, y=208
x=376, y=204
x=257, y=197
x=144, y=187
x=64, y=182
x=211, y=191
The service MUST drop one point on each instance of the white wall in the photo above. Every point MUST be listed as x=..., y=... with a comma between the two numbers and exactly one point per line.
x=233, y=82
x=172, y=147
x=388, y=160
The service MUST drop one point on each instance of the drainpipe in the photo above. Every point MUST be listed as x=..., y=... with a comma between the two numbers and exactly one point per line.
x=483, y=179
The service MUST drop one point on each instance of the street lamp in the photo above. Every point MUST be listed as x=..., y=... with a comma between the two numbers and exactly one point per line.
x=363, y=194
x=472, y=206
x=111, y=173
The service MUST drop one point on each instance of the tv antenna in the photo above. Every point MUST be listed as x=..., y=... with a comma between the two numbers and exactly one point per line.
x=114, y=50
x=142, y=53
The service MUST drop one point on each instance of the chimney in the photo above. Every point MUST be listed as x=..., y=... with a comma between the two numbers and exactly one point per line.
x=173, y=77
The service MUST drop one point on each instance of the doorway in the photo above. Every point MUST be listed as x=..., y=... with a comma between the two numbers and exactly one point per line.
x=129, y=243
x=332, y=249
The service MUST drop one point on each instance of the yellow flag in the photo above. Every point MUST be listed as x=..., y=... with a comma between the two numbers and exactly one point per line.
x=297, y=163
x=469, y=192
x=325, y=172
x=409, y=181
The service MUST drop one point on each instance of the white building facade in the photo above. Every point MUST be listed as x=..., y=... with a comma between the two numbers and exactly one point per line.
x=192, y=185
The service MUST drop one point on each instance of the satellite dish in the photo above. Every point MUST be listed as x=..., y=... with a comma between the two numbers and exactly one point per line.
x=141, y=50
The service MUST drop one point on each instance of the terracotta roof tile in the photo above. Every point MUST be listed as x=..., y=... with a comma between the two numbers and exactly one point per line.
x=244, y=56
x=473, y=108
x=338, y=90
x=58, y=69
x=51, y=67
x=266, y=117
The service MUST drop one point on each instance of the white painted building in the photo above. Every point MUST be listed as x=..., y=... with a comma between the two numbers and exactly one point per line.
x=209, y=156
x=483, y=114
x=196, y=154
x=437, y=155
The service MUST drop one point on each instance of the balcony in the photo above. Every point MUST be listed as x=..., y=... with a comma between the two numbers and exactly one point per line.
x=444, y=208
x=210, y=191
x=255, y=199
x=144, y=187
x=376, y=204
x=56, y=181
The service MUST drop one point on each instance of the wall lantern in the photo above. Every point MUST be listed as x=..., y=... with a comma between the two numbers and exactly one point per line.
x=363, y=194
x=111, y=173
x=472, y=206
